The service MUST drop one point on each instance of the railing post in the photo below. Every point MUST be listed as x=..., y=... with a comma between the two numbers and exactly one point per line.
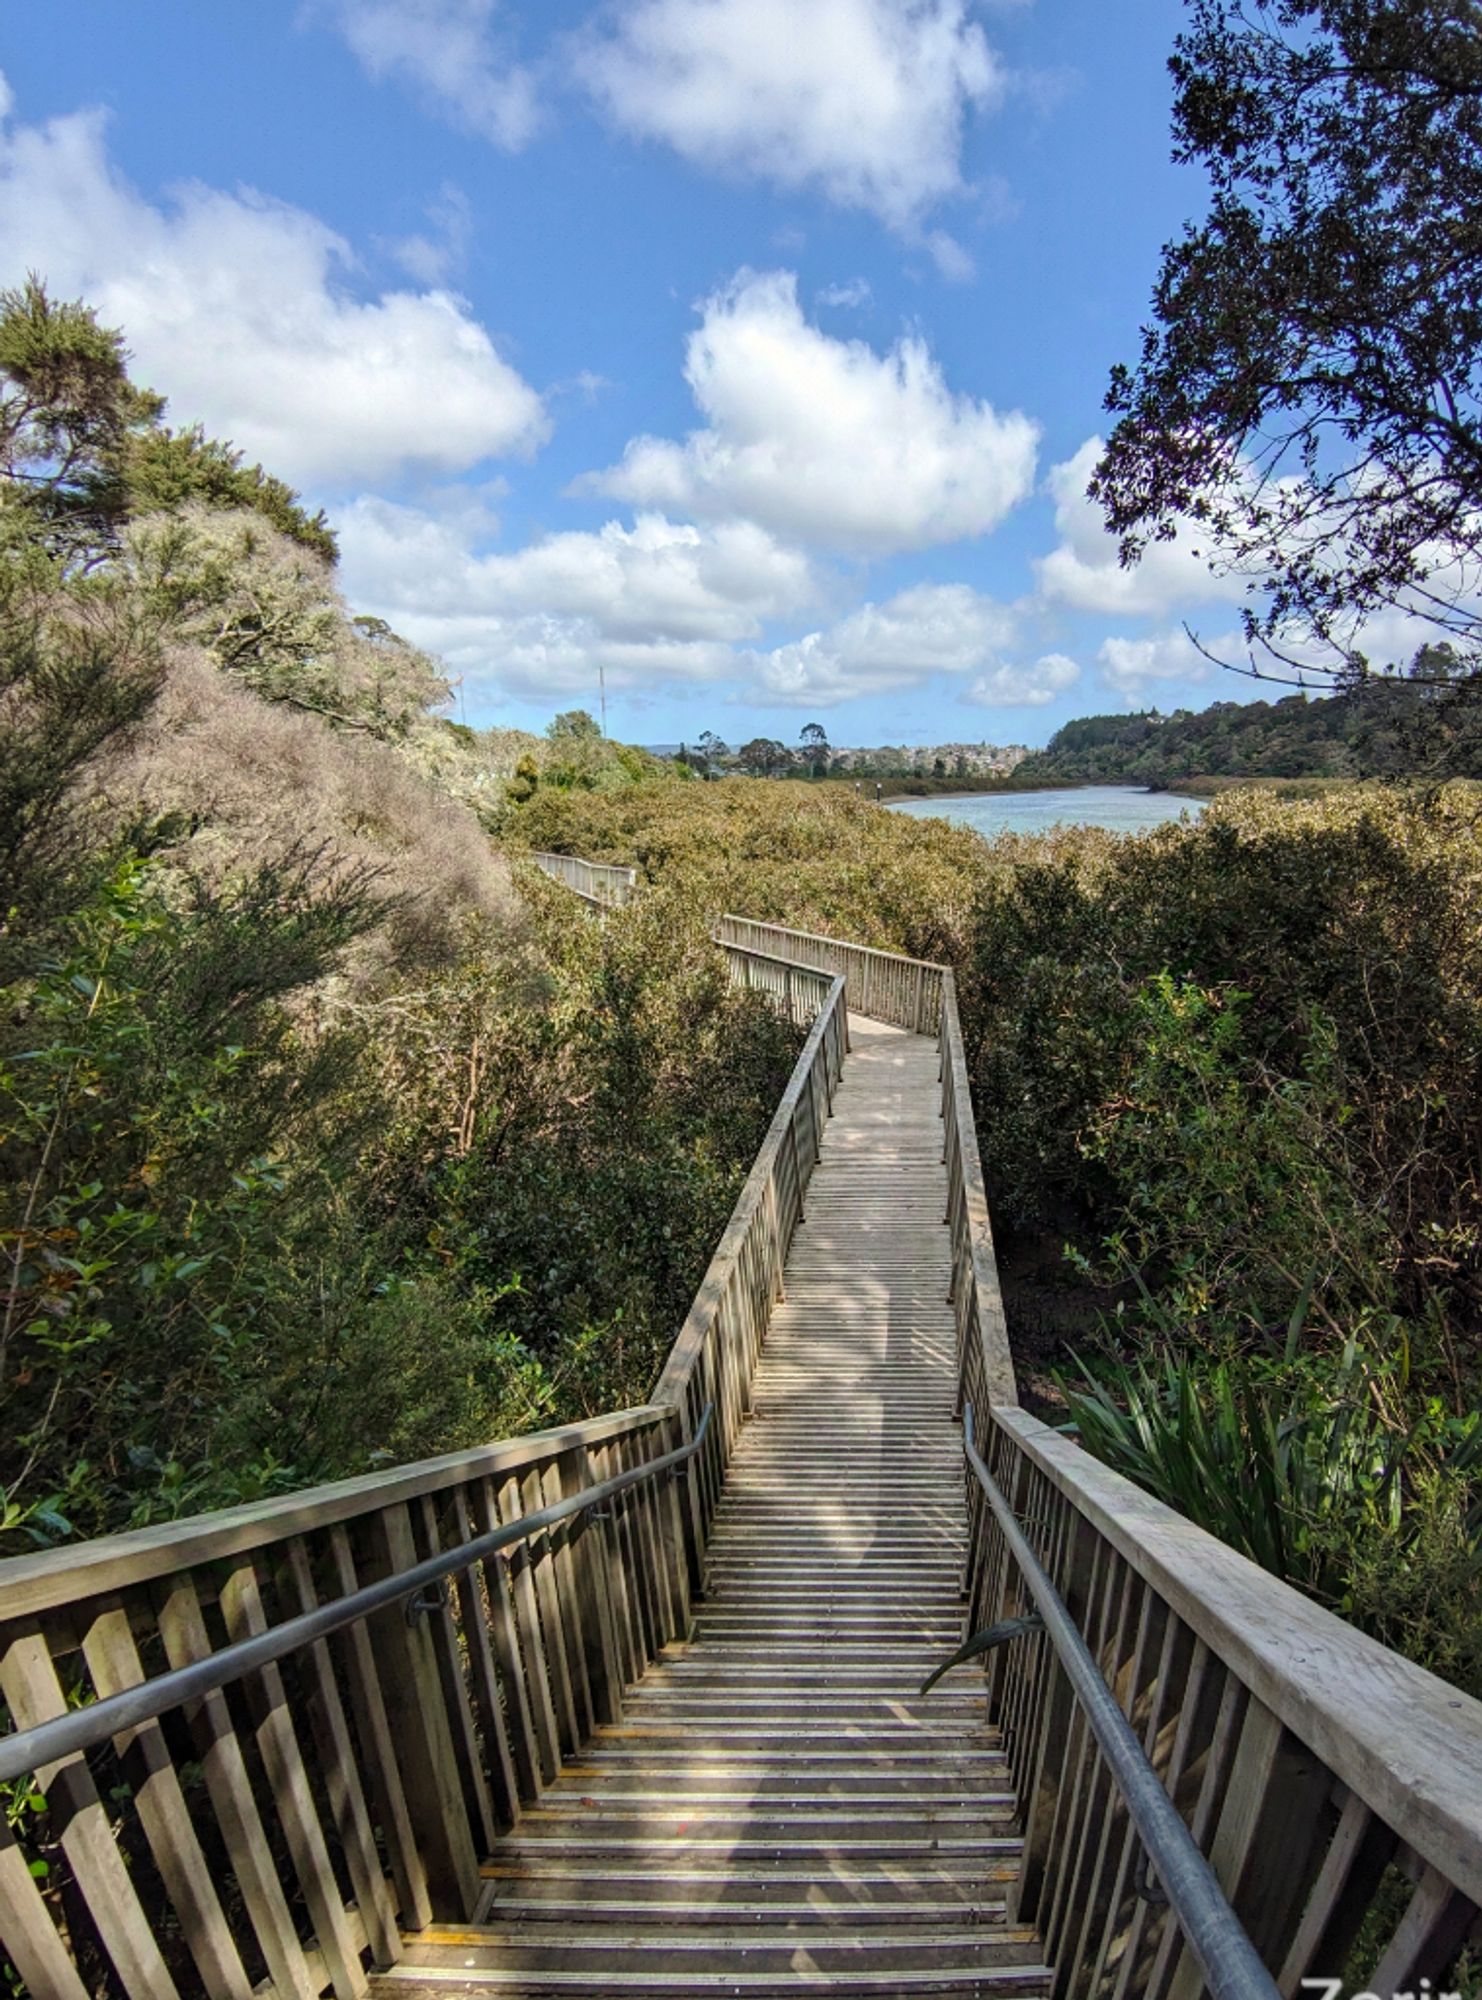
x=592, y=1604
x=413, y=1694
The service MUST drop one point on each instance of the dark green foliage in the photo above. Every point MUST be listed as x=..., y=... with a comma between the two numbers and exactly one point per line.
x=167, y=468
x=1310, y=390
x=152, y=1094
x=1421, y=723
x=1284, y=739
x=1361, y=909
x=1323, y=1469
x=73, y=680
x=67, y=413
x=1235, y=1064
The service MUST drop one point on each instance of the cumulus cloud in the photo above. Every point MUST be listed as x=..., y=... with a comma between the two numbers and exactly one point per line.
x=931, y=629
x=658, y=601
x=1084, y=572
x=448, y=52
x=825, y=439
x=864, y=100
x=1134, y=666
x=1014, y=685
x=240, y=307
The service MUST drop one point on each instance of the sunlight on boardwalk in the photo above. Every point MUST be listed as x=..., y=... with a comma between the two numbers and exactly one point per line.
x=779, y=1811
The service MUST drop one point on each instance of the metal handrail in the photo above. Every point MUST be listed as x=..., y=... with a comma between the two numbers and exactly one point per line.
x=83, y=1728
x=1232, y=1967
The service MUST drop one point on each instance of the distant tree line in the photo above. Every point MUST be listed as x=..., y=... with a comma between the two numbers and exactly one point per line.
x=815, y=757
x=1411, y=725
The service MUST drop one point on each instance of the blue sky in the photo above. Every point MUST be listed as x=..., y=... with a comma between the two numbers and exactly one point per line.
x=747, y=352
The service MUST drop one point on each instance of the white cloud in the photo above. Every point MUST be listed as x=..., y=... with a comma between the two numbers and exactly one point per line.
x=1131, y=666
x=447, y=51
x=824, y=439
x=1084, y=571
x=1012, y=685
x=434, y=254
x=657, y=601
x=931, y=629
x=854, y=292
x=862, y=99
x=237, y=307
x=954, y=263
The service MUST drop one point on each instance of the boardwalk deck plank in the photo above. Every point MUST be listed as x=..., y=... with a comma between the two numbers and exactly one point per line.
x=779, y=1810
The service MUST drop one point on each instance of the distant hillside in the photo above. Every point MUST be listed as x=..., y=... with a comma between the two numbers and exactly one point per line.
x=1390, y=728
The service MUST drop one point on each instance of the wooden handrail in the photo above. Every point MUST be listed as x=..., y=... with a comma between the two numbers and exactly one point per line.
x=1407, y=1742
x=603, y=884
x=86, y=1728
x=882, y=984
x=390, y=1750
x=985, y=1361
x=1307, y=1758
x=714, y=1356
x=37, y=1583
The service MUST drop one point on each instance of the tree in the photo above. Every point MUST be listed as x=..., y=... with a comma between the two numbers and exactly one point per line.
x=83, y=450
x=573, y=725
x=814, y=739
x=166, y=468
x=266, y=609
x=67, y=410
x=712, y=749
x=1309, y=391
x=764, y=756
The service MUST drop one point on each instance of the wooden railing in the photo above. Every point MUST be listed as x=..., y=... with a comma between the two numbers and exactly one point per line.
x=599, y=883
x=276, y=1835
x=797, y=991
x=1335, y=1787
x=907, y=991
x=297, y=1822
x=713, y=1359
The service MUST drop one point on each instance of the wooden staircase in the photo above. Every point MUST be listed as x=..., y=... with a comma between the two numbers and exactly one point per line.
x=779, y=1810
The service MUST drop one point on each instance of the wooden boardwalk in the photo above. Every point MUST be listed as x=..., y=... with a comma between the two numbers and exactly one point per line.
x=779, y=1811
x=675, y=1650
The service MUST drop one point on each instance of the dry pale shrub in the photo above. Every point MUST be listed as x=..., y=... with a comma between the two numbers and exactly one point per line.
x=268, y=610
x=233, y=781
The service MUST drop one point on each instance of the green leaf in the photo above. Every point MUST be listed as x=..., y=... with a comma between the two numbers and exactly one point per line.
x=984, y=1642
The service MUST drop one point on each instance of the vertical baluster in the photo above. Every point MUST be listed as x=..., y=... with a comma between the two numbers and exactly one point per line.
x=1357, y=1856
x=587, y=1585
x=543, y=1567
x=1264, y=1839
x=373, y=1725
x=442, y=1631
x=477, y=1623
x=28, y=1679
x=630, y=1580
x=341, y=1775
x=1216, y=1769
x=1109, y=1813
x=541, y=1677
x=412, y=1689
x=183, y=1630
x=282, y=1760
x=114, y=1664
x=30, y=1938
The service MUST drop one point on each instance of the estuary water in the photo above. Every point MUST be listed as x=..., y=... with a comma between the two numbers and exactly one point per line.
x=1122, y=808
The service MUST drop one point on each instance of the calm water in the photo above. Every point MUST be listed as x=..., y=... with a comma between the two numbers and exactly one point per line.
x=1119, y=807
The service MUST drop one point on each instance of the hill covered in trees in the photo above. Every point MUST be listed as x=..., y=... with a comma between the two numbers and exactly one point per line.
x=1423, y=723
x=316, y=1114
